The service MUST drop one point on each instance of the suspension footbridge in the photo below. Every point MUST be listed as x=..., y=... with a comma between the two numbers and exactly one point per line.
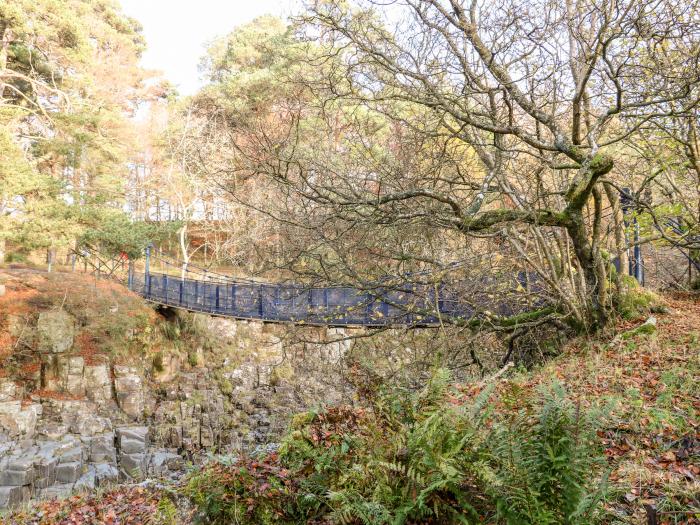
x=372, y=305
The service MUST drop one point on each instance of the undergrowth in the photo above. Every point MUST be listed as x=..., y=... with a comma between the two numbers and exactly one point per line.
x=436, y=456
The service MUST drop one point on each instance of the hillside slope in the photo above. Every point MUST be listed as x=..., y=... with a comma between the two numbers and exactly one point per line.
x=647, y=384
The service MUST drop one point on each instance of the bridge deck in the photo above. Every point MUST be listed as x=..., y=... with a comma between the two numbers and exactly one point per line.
x=409, y=305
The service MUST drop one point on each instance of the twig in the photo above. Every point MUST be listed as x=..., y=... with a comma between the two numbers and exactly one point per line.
x=495, y=376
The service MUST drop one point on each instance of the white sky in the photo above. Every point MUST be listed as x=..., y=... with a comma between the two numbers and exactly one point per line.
x=177, y=31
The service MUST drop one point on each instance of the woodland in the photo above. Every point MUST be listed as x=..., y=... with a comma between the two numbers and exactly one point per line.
x=439, y=143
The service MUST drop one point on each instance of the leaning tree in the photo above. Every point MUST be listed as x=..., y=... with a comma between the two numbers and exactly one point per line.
x=553, y=98
x=390, y=139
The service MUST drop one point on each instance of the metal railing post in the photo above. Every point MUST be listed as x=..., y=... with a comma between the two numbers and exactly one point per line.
x=635, y=262
x=260, y=300
x=147, y=271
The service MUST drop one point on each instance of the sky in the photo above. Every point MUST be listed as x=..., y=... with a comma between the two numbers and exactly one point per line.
x=177, y=31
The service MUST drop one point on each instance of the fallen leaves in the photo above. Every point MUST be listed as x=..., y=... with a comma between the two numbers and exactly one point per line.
x=122, y=506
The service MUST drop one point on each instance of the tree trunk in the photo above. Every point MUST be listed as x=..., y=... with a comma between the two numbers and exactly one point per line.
x=594, y=273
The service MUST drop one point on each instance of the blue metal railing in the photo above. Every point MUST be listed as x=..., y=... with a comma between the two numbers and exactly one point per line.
x=409, y=305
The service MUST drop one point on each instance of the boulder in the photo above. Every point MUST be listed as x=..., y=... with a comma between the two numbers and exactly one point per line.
x=134, y=433
x=45, y=471
x=16, y=478
x=73, y=381
x=131, y=446
x=90, y=425
x=51, y=430
x=87, y=481
x=8, y=390
x=55, y=331
x=72, y=455
x=163, y=463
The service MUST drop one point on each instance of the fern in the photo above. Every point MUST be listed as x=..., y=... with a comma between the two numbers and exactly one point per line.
x=430, y=457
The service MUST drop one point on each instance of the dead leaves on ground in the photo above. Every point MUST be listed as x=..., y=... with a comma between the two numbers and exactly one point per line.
x=122, y=506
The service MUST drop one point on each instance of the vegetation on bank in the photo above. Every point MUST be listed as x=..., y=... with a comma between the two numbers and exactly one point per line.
x=591, y=436
x=437, y=456
x=620, y=435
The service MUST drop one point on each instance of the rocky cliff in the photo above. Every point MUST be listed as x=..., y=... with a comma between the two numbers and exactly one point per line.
x=97, y=387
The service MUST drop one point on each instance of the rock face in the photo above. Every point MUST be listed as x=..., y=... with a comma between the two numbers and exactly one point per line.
x=74, y=416
x=47, y=469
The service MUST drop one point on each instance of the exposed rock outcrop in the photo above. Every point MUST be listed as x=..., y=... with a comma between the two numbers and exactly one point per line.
x=95, y=398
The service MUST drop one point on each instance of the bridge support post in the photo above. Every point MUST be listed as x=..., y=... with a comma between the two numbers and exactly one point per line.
x=217, y=298
x=165, y=288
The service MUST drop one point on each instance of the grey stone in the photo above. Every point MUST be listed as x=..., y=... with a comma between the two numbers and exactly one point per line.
x=90, y=425
x=106, y=474
x=131, y=446
x=123, y=370
x=87, y=481
x=55, y=331
x=12, y=497
x=52, y=431
x=127, y=383
x=96, y=375
x=134, y=433
x=8, y=390
x=24, y=461
x=133, y=465
x=42, y=483
x=75, y=365
x=57, y=491
x=16, y=478
x=164, y=462
x=102, y=449
x=130, y=396
x=98, y=384
x=71, y=455
x=68, y=472
x=45, y=469
x=18, y=420
x=74, y=385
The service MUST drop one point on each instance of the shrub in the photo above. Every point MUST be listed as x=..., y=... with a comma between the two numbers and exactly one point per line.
x=435, y=456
